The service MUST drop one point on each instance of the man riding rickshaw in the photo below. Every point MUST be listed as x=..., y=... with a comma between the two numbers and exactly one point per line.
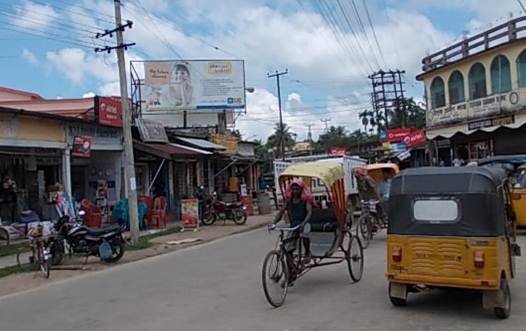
x=374, y=182
x=316, y=235
x=452, y=228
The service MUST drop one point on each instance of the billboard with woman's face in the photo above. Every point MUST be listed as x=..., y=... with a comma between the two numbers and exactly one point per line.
x=195, y=84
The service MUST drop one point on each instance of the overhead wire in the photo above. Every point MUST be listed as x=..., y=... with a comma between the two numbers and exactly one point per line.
x=362, y=28
x=332, y=22
x=110, y=18
x=373, y=30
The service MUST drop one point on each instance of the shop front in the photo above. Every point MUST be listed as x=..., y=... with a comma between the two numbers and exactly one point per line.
x=96, y=164
x=32, y=149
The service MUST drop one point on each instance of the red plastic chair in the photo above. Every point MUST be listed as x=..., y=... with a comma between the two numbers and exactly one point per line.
x=148, y=201
x=93, y=217
x=159, y=212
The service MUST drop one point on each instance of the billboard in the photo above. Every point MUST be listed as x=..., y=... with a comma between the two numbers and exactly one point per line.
x=194, y=84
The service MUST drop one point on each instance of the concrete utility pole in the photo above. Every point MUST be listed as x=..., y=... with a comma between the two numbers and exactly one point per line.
x=281, y=128
x=129, y=168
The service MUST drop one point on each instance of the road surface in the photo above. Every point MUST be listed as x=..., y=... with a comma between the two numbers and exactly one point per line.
x=217, y=287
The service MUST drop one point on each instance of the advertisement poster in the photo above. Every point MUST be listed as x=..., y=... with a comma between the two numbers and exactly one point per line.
x=110, y=111
x=190, y=213
x=81, y=146
x=198, y=84
x=337, y=151
x=415, y=138
x=397, y=135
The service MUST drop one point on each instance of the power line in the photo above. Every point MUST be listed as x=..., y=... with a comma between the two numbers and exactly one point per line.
x=91, y=11
x=522, y=6
x=374, y=32
x=49, y=36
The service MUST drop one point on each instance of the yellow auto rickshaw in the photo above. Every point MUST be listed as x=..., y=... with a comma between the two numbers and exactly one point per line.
x=515, y=165
x=452, y=228
x=382, y=171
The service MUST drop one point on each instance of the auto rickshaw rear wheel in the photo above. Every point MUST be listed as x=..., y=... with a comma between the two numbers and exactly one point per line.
x=504, y=312
x=396, y=301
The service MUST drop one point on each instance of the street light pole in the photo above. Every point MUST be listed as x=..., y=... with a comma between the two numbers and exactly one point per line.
x=281, y=128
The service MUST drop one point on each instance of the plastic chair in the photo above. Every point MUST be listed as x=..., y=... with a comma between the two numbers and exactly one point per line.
x=93, y=217
x=148, y=203
x=159, y=212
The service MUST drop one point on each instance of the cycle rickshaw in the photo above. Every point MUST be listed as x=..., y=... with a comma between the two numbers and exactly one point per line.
x=331, y=240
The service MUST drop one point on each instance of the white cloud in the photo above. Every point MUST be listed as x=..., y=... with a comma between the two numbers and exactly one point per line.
x=29, y=56
x=88, y=95
x=34, y=16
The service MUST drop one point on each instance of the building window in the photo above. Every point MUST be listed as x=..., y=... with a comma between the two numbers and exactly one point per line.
x=500, y=74
x=521, y=69
x=477, y=81
x=456, y=88
x=438, y=96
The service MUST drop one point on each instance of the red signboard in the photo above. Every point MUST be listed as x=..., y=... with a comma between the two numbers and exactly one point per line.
x=81, y=146
x=110, y=111
x=397, y=135
x=415, y=138
x=337, y=151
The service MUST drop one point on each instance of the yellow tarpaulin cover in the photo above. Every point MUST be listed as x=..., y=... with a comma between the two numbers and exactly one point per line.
x=327, y=172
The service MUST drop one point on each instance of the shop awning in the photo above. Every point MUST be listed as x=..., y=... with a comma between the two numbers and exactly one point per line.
x=513, y=122
x=168, y=151
x=201, y=143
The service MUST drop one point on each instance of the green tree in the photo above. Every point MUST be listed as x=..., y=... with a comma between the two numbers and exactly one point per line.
x=408, y=114
x=273, y=141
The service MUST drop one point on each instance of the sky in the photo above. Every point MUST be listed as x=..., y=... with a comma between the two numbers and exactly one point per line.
x=329, y=47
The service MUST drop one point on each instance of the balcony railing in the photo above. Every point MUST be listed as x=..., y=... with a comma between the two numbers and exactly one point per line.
x=498, y=35
x=488, y=107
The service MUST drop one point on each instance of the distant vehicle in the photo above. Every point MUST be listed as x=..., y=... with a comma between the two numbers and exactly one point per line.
x=318, y=188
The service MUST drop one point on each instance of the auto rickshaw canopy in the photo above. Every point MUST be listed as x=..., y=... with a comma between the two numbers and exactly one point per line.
x=375, y=170
x=455, y=201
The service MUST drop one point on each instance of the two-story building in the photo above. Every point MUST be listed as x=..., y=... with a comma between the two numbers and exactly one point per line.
x=476, y=94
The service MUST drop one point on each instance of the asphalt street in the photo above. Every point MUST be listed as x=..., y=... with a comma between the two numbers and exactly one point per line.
x=217, y=286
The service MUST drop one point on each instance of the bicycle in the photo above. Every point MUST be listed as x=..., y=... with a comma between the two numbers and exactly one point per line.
x=40, y=258
x=369, y=221
x=285, y=264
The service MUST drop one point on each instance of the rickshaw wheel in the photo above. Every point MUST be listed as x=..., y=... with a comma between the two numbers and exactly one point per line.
x=500, y=312
x=354, y=258
x=275, y=275
x=365, y=229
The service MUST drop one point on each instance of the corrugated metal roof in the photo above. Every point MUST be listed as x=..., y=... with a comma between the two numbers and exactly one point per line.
x=201, y=143
x=168, y=151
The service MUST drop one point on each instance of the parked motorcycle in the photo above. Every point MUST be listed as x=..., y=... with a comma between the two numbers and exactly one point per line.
x=216, y=209
x=106, y=243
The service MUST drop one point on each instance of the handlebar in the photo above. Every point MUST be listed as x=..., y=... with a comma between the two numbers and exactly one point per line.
x=272, y=227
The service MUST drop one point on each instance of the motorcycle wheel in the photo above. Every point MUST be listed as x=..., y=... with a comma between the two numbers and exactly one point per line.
x=56, y=249
x=209, y=218
x=240, y=216
x=117, y=246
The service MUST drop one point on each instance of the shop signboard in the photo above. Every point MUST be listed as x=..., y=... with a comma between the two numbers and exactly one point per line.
x=476, y=125
x=193, y=85
x=337, y=151
x=151, y=131
x=190, y=213
x=415, y=138
x=230, y=142
x=81, y=146
x=101, y=135
x=397, y=135
x=109, y=111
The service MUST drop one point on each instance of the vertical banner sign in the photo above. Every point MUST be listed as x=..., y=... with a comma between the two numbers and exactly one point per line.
x=190, y=213
x=193, y=84
x=81, y=146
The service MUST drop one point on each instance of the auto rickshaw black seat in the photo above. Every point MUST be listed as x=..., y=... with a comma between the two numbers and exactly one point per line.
x=323, y=220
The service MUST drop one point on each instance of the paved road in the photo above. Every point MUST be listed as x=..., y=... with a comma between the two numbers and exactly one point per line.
x=217, y=287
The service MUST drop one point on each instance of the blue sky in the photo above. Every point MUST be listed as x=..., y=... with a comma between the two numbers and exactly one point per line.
x=327, y=63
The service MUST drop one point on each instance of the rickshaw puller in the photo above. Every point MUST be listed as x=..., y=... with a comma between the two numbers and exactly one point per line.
x=298, y=204
x=367, y=190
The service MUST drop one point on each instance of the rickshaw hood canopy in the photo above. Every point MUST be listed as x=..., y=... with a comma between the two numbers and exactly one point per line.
x=327, y=172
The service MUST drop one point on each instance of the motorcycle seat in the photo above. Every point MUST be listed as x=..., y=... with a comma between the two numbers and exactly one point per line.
x=235, y=204
x=104, y=230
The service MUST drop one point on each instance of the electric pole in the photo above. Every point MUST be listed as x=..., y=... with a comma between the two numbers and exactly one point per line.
x=326, y=120
x=129, y=164
x=281, y=128
x=309, y=138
